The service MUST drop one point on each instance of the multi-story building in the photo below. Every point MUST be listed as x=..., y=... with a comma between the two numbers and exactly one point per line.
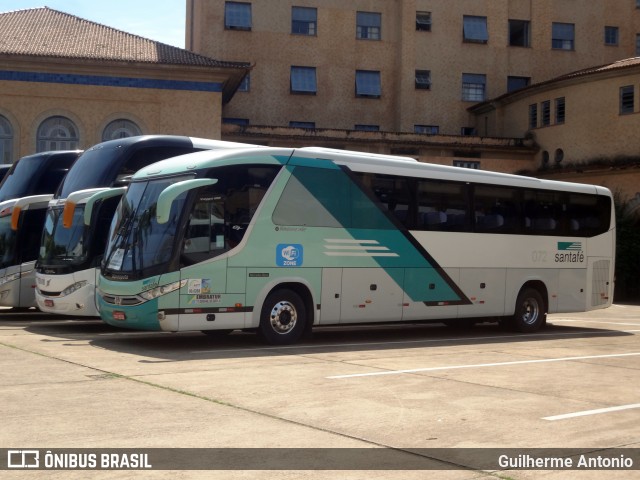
x=402, y=66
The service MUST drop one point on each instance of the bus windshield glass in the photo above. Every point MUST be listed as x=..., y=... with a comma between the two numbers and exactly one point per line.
x=94, y=168
x=7, y=242
x=137, y=241
x=60, y=245
x=17, y=181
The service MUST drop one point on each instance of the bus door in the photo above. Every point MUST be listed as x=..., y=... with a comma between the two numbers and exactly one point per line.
x=205, y=239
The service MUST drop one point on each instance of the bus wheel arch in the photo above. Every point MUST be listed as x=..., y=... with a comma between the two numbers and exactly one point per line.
x=286, y=314
x=531, y=307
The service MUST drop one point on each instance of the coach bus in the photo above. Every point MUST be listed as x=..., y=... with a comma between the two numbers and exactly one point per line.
x=36, y=174
x=278, y=240
x=70, y=249
x=24, y=192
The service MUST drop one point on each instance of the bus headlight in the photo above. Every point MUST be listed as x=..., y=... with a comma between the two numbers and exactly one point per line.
x=163, y=290
x=72, y=288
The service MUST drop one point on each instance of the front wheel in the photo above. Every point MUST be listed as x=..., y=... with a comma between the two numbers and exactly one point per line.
x=283, y=318
x=530, y=311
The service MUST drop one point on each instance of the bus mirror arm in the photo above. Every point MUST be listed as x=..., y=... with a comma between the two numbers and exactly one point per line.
x=88, y=209
x=169, y=194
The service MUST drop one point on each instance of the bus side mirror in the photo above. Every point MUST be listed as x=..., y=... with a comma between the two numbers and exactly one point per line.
x=88, y=209
x=169, y=194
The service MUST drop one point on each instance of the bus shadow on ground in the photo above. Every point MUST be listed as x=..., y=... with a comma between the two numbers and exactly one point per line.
x=176, y=347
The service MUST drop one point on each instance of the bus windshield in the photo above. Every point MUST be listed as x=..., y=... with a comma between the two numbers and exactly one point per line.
x=7, y=242
x=93, y=168
x=137, y=241
x=61, y=246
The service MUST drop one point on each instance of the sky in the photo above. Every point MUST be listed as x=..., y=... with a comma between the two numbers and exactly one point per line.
x=160, y=20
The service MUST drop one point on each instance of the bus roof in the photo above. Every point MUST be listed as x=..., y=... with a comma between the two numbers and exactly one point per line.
x=105, y=163
x=356, y=161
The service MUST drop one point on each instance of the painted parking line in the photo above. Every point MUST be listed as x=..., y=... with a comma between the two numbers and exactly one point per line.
x=592, y=412
x=482, y=365
x=635, y=324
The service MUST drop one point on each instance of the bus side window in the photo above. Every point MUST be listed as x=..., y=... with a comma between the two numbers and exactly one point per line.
x=205, y=231
x=442, y=206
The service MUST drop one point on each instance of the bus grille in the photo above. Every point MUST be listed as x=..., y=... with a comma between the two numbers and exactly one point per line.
x=120, y=300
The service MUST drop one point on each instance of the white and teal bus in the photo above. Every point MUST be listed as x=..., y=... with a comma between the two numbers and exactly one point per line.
x=278, y=240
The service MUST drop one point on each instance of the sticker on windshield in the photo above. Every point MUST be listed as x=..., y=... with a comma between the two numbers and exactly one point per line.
x=116, y=259
x=289, y=255
x=199, y=286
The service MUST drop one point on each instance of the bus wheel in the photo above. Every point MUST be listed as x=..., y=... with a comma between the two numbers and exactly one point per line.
x=530, y=311
x=283, y=318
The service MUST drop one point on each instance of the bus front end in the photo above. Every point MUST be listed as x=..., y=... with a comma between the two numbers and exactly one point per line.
x=21, y=221
x=73, y=240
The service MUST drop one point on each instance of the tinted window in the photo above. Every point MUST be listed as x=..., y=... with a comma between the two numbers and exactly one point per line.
x=497, y=209
x=442, y=206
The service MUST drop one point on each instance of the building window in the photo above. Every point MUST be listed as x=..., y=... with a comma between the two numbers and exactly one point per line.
x=121, y=128
x=423, y=79
x=560, y=109
x=559, y=155
x=546, y=112
x=423, y=21
x=473, y=87
x=6, y=141
x=466, y=164
x=563, y=36
x=637, y=45
x=474, y=29
x=533, y=115
x=57, y=133
x=245, y=85
x=519, y=33
x=627, y=99
x=295, y=124
x=467, y=131
x=611, y=36
x=368, y=25
x=237, y=16
x=367, y=128
x=303, y=80
x=516, y=83
x=235, y=121
x=426, y=129
x=368, y=84
x=304, y=21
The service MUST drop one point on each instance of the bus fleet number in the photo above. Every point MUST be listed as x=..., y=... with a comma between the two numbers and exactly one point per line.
x=539, y=256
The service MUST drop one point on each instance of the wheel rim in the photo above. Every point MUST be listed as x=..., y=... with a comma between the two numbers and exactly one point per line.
x=530, y=311
x=283, y=317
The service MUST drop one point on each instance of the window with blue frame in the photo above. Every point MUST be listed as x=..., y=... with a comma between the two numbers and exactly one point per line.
x=297, y=124
x=304, y=21
x=368, y=84
x=6, y=141
x=368, y=25
x=237, y=16
x=474, y=29
x=303, y=80
x=473, y=87
x=563, y=36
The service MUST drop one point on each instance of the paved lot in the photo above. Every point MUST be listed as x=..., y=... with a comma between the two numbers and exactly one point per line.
x=82, y=384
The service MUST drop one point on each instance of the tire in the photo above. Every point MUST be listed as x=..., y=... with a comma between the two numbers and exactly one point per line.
x=283, y=318
x=530, y=314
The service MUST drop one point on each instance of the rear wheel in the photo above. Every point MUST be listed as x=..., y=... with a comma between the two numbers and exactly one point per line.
x=530, y=313
x=283, y=318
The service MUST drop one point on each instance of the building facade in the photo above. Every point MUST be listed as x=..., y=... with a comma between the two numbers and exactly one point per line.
x=67, y=83
x=407, y=66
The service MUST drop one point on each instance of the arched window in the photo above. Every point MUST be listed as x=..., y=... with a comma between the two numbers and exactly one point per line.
x=120, y=128
x=6, y=141
x=57, y=133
